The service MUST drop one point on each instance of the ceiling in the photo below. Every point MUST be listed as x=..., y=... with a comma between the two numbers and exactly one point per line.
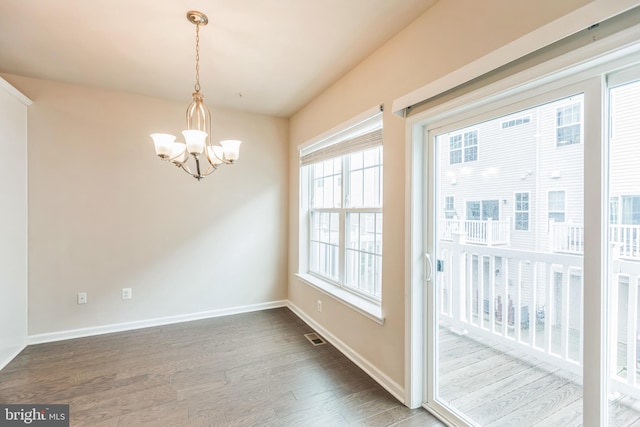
x=264, y=56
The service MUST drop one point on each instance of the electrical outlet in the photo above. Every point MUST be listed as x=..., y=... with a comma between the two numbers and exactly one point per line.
x=127, y=293
x=319, y=306
x=82, y=297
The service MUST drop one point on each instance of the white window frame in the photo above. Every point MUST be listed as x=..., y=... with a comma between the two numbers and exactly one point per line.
x=564, y=211
x=515, y=121
x=481, y=208
x=579, y=122
x=343, y=212
x=464, y=148
x=517, y=211
x=449, y=208
x=364, y=303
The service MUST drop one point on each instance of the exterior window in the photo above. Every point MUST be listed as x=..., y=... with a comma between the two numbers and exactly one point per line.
x=614, y=210
x=463, y=147
x=630, y=210
x=557, y=206
x=484, y=210
x=568, y=124
x=345, y=214
x=519, y=121
x=449, y=207
x=522, y=211
x=455, y=149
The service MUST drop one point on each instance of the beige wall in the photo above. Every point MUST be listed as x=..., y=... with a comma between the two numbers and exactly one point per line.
x=13, y=224
x=105, y=213
x=448, y=36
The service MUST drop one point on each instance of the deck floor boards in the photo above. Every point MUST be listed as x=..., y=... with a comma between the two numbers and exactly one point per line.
x=500, y=387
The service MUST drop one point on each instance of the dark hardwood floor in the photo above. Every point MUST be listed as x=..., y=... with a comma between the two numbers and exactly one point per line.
x=242, y=370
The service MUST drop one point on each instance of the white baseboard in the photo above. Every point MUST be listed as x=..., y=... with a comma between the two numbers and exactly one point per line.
x=380, y=377
x=11, y=355
x=127, y=326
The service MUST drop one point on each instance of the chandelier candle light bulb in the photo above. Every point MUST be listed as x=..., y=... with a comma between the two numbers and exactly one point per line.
x=197, y=136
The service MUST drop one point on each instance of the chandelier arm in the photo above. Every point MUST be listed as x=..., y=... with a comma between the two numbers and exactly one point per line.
x=186, y=168
x=210, y=169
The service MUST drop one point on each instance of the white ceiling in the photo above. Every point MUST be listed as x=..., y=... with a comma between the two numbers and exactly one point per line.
x=278, y=54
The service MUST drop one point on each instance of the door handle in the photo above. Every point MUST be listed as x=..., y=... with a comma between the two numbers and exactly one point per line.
x=428, y=267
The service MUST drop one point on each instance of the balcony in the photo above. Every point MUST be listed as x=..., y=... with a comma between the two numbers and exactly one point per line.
x=568, y=238
x=486, y=232
x=529, y=306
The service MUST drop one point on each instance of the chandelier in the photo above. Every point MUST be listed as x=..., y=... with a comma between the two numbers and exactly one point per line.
x=197, y=155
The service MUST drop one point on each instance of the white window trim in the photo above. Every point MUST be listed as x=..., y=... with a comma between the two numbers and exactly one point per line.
x=462, y=146
x=566, y=197
x=367, y=306
x=513, y=119
x=580, y=122
x=361, y=305
x=516, y=211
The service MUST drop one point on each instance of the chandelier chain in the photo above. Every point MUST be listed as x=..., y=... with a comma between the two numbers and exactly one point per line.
x=197, y=85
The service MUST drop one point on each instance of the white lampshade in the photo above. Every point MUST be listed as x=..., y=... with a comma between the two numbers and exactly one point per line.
x=231, y=149
x=195, y=140
x=163, y=143
x=215, y=154
x=179, y=152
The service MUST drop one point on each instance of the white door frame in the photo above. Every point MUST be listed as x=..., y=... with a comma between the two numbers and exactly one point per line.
x=589, y=60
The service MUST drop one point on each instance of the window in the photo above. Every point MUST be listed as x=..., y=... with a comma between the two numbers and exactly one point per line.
x=463, y=147
x=614, y=210
x=568, y=124
x=473, y=211
x=630, y=210
x=449, y=207
x=522, y=211
x=343, y=211
x=519, y=121
x=557, y=206
x=484, y=210
x=346, y=221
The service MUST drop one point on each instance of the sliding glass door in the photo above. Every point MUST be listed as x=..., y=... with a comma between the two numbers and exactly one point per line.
x=533, y=229
x=508, y=190
x=624, y=248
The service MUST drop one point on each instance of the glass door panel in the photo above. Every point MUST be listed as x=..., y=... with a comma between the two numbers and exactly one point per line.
x=624, y=255
x=509, y=283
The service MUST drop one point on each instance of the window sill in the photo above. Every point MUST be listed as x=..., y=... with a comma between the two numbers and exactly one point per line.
x=363, y=306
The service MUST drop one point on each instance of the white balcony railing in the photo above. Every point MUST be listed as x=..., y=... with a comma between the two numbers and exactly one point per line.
x=568, y=238
x=532, y=302
x=479, y=232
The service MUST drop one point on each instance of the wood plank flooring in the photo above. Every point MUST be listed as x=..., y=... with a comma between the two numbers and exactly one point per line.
x=243, y=370
x=496, y=386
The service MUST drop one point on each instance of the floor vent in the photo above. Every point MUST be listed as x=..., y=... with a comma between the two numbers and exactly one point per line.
x=314, y=339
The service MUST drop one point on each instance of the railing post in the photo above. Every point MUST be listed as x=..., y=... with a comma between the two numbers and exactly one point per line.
x=552, y=245
x=612, y=289
x=459, y=285
x=489, y=232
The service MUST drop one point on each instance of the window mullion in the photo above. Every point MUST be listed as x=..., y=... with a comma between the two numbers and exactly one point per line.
x=343, y=221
